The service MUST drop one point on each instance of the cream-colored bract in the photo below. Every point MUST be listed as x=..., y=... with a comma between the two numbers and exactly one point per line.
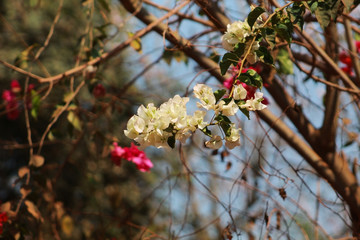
x=154, y=126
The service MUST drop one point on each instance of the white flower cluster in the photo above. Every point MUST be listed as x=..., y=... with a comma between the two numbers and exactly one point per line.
x=208, y=101
x=237, y=32
x=154, y=126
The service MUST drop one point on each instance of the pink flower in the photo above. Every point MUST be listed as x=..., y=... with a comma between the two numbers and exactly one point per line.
x=139, y=158
x=12, y=106
x=7, y=95
x=117, y=154
x=3, y=219
x=132, y=154
x=228, y=83
x=142, y=162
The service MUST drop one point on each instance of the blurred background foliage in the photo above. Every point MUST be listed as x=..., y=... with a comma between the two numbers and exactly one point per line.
x=80, y=193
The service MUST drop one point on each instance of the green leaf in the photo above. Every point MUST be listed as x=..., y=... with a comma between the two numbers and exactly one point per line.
x=245, y=112
x=206, y=131
x=179, y=56
x=348, y=143
x=215, y=57
x=284, y=29
x=94, y=53
x=74, y=120
x=51, y=136
x=265, y=55
x=136, y=43
x=22, y=59
x=253, y=15
x=227, y=60
x=225, y=124
x=296, y=13
x=226, y=128
x=285, y=63
x=222, y=118
x=239, y=49
x=34, y=3
x=326, y=11
x=227, y=100
x=269, y=35
x=167, y=56
x=35, y=103
x=219, y=94
x=251, y=78
x=170, y=128
x=312, y=6
x=171, y=141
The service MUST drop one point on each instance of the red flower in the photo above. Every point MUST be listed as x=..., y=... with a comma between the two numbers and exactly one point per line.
x=345, y=58
x=3, y=219
x=99, y=91
x=348, y=70
x=15, y=86
x=31, y=87
x=357, y=44
x=12, y=109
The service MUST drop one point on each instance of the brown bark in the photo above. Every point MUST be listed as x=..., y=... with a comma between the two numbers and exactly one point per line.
x=320, y=152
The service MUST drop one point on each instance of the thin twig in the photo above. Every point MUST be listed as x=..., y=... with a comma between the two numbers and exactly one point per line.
x=27, y=120
x=63, y=109
x=190, y=17
x=51, y=31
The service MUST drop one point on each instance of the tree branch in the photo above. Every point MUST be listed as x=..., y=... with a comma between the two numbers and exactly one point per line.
x=101, y=58
x=336, y=171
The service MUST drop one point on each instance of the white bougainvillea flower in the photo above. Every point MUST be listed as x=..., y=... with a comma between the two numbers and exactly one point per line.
x=197, y=120
x=183, y=134
x=235, y=33
x=175, y=111
x=239, y=92
x=147, y=113
x=155, y=138
x=135, y=126
x=234, y=139
x=229, y=109
x=206, y=96
x=214, y=143
x=254, y=103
